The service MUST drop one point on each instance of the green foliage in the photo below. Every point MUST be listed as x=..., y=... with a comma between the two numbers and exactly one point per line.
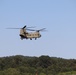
x=68, y=73
x=43, y=65
x=10, y=71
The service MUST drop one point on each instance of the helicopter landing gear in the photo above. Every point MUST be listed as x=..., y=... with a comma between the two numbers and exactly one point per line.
x=30, y=38
x=35, y=38
x=21, y=38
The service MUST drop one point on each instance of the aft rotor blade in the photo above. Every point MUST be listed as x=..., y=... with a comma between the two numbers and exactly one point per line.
x=13, y=28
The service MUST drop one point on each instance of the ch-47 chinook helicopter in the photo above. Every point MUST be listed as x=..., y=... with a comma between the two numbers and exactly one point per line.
x=29, y=35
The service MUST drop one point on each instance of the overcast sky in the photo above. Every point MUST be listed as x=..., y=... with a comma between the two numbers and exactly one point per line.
x=57, y=16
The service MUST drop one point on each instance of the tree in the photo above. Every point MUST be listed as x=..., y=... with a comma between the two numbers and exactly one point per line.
x=11, y=71
x=44, y=61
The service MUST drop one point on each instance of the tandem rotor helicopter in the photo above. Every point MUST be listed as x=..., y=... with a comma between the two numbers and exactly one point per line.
x=29, y=35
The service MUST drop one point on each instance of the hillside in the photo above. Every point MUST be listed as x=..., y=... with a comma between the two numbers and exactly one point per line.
x=43, y=65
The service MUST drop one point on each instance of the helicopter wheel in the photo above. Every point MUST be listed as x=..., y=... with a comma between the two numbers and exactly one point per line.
x=21, y=38
x=35, y=38
x=30, y=38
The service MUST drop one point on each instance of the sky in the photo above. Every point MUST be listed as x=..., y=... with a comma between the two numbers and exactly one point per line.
x=57, y=16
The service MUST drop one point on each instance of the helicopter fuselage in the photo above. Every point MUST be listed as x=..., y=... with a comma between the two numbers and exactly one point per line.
x=29, y=35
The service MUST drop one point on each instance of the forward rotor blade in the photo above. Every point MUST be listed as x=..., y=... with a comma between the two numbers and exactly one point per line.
x=28, y=27
x=36, y=30
x=31, y=29
x=42, y=29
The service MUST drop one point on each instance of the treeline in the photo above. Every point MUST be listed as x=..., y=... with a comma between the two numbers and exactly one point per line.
x=43, y=65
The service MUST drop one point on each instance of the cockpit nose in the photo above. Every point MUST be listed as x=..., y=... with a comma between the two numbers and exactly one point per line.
x=39, y=35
